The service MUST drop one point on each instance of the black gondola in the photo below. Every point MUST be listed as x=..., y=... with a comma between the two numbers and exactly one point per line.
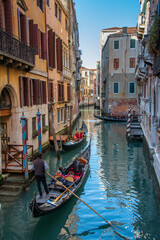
x=49, y=203
x=71, y=144
x=111, y=119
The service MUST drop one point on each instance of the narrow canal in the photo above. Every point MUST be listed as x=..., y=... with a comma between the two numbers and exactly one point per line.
x=119, y=186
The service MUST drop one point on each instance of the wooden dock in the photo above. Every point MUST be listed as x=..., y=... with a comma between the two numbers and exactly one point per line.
x=136, y=131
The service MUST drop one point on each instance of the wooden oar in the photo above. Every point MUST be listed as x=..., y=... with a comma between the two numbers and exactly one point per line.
x=62, y=193
x=80, y=199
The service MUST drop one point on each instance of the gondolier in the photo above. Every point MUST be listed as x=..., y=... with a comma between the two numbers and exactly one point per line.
x=40, y=166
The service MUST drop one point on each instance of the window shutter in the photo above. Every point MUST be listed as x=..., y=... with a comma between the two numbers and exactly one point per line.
x=36, y=91
x=38, y=3
x=39, y=41
x=50, y=48
x=36, y=45
x=44, y=47
x=54, y=50
x=44, y=92
x=28, y=92
x=59, y=92
x=62, y=92
x=1, y=16
x=31, y=33
x=23, y=28
x=61, y=55
x=21, y=91
x=8, y=16
x=58, y=45
x=52, y=92
x=31, y=92
x=41, y=93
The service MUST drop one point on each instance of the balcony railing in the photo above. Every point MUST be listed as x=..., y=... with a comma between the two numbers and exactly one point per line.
x=16, y=50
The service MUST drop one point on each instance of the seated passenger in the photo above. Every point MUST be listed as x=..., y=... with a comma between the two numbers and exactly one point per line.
x=61, y=170
x=59, y=177
x=75, y=138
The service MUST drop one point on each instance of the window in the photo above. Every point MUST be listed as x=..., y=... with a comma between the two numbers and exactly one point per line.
x=116, y=44
x=132, y=43
x=6, y=16
x=66, y=24
x=116, y=63
x=58, y=115
x=50, y=92
x=86, y=75
x=48, y=3
x=60, y=92
x=61, y=115
x=60, y=15
x=56, y=10
x=43, y=120
x=40, y=4
x=116, y=88
x=26, y=129
x=132, y=88
x=33, y=124
x=68, y=92
x=22, y=26
x=132, y=62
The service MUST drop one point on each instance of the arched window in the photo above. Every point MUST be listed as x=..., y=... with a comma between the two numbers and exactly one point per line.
x=5, y=100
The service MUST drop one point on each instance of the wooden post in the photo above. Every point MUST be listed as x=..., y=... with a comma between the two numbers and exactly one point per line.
x=25, y=160
x=129, y=123
x=70, y=129
x=51, y=120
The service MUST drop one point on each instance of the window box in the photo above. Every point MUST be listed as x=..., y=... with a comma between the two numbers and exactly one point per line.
x=45, y=129
x=34, y=133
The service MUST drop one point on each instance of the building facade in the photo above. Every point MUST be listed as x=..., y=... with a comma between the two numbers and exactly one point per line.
x=88, y=86
x=37, y=47
x=118, y=61
x=148, y=77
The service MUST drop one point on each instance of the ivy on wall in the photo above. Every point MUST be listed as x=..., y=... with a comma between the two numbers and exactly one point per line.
x=154, y=38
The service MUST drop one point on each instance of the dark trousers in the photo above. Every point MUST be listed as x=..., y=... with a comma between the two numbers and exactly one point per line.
x=42, y=179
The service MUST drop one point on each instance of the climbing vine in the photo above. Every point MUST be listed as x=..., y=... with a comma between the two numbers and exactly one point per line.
x=154, y=38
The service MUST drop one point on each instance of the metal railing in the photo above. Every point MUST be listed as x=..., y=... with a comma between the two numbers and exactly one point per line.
x=15, y=49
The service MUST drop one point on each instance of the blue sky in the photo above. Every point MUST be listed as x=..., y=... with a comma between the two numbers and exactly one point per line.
x=95, y=15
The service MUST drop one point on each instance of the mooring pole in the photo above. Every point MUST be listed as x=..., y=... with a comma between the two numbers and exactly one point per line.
x=129, y=123
x=24, y=138
x=39, y=131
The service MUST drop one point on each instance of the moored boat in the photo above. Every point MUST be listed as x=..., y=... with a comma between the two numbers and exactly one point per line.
x=111, y=119
x=78, y=138
x=58, y=195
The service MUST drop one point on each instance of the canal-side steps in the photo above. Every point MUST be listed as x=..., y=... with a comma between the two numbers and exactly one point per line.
x=12, y=186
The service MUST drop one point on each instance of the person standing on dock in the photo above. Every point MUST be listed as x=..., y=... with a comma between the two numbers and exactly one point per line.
x=40, y=166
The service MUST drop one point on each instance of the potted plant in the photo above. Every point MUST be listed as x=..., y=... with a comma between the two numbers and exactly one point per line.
x=34, y=133
x=44, y=129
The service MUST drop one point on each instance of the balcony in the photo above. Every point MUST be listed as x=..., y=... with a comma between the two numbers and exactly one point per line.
x=141, y=25
x=15, y=52
x=78, y=77
x=78, y=54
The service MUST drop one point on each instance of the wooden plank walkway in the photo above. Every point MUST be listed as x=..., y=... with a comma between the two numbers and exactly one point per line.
x=136, y=131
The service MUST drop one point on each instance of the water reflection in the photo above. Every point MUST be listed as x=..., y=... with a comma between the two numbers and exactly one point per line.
x=119, y=186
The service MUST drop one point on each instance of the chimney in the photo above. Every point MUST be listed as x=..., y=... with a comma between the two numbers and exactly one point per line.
x=124, y=30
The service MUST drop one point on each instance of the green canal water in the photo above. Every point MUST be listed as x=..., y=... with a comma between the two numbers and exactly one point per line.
x=119, y=186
